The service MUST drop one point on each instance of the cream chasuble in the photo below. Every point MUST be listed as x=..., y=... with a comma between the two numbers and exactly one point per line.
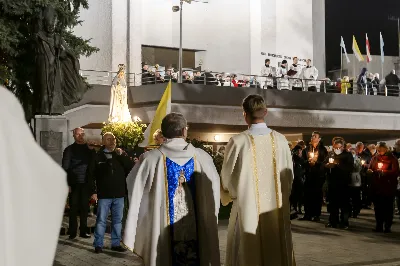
x=258, y=174
x=33, y=191
x=174, y=197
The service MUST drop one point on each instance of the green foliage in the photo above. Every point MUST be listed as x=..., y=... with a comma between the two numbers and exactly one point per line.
x=128, y=134
x=19, y=22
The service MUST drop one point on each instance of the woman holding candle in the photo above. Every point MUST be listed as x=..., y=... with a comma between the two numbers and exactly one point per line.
x=384, y=169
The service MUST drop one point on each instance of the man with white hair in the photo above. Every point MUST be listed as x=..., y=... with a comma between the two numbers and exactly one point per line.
x=33, y=190
x=175, y=197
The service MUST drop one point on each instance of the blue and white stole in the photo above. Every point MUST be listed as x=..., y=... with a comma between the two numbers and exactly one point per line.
x=184, y=252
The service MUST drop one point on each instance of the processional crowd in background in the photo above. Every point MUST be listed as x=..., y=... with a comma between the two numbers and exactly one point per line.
x=347, y=179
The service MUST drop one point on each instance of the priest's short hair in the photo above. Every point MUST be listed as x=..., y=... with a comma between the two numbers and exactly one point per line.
x=172, y=125
x=254, y=106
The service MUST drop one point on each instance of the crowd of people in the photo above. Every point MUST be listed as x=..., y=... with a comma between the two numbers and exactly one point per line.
x=347, y=179
x=283, y=77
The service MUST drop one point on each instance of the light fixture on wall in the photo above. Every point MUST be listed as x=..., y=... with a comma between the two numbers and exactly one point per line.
x=217, y=138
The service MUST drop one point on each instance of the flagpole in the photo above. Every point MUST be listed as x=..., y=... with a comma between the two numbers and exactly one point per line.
x=341, y=62
x=354, y=66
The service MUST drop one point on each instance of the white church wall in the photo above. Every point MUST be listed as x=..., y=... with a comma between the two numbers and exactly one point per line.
x=232, y=33
x=97, y=25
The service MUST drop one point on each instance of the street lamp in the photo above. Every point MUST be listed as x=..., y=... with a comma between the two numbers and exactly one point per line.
x=176, y=9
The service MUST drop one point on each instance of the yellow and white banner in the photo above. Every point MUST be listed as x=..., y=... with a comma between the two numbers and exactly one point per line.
x=164, y=108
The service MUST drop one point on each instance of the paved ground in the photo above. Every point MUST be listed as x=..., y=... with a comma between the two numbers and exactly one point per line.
x=313, y=244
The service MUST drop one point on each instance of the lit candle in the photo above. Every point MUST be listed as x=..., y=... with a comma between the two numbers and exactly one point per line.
x=312, y=155
x=380, y=165
x=331, y=160
x=362, y=162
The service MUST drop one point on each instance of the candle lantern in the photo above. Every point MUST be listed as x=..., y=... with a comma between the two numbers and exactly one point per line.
x=380, y=165
x=362, y=162
x=331, y=160
x=312, y=155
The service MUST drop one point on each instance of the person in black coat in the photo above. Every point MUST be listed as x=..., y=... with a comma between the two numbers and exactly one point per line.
x=296, y=197
x=340, y=165
x=315, y=154
x=392, y=84
x=107, y=174
x=75, y=161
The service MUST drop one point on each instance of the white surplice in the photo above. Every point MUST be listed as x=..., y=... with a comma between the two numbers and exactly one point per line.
x=33, y=191
x=148, y=226
x=258, y=173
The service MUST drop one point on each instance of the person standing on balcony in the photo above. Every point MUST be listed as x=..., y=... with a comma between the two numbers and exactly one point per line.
x=392, y=84
x=107, y=174
x=282, y=76
x=310, y=76
x=384, y=169
x=316, y=155
x=75, y=162
x=267, y=73
x=294, y=74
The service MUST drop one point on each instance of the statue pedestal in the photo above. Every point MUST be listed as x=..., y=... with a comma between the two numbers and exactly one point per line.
x=51, y=132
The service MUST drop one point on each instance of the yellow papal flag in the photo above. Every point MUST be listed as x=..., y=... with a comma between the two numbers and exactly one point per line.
x=356, y=50
x=164, y=108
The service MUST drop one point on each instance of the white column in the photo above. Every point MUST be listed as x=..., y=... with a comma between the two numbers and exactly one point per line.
x=269, y=30
x=319, y=55
x=119, y=27
x=135, y=40
x=255, y=37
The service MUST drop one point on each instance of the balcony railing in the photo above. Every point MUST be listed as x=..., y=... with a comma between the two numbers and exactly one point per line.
x=243, y=80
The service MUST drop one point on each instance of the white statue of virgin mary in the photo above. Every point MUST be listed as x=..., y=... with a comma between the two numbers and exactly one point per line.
x=119, y=110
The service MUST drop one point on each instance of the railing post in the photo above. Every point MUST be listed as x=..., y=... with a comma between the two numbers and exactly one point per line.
x=134, y=79
x=204, y=78
x=386, y=91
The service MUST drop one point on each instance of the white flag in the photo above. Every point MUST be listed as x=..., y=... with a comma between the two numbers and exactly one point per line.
x=344, y=49
x=382, y=52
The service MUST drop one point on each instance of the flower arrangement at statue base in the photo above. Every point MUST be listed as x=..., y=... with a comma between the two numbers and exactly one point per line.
x=127, y=134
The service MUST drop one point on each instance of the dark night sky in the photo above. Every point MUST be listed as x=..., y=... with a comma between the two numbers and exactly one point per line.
x=357, y=17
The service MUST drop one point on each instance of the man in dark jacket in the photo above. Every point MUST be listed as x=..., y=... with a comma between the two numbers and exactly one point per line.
x=392, y=84
x=316, y=154
x=75, y=161
x=340, y=165
x=107, y=173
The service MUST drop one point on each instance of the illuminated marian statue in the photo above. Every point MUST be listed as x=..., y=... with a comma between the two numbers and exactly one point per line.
x=119, y=111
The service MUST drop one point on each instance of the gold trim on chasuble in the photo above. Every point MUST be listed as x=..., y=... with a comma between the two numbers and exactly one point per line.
x=255, y=171
x=256, y=178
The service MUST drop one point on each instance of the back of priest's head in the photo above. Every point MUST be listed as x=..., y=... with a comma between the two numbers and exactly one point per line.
x=174, y=125
x=254, y=108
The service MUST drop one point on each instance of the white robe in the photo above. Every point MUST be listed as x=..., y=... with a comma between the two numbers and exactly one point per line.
x=119, y=110
x=33, y=192
x=310, y=74
x=147, y=231
x=267, y=78
x=295, y=79
x=282, y=80
x=259, y=232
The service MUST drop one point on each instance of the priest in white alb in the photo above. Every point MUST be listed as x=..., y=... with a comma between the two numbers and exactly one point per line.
x=257, y=173
x=33, y=192
x=174, y=195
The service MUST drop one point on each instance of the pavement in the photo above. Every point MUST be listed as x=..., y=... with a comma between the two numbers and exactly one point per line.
x=313, y=245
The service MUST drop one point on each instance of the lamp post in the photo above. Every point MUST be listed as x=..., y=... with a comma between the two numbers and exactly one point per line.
x=394, y=18
x=176, y=9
